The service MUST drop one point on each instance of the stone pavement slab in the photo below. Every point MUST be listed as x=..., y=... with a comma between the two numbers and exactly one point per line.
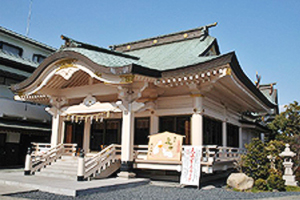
x=283, y=198
x=65, y=186
x=11, y=189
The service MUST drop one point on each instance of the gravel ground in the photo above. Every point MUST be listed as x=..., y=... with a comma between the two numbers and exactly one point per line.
x=160, y=192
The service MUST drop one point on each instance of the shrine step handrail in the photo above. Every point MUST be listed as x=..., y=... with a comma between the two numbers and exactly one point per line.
x=38, y=159
x=99, y=162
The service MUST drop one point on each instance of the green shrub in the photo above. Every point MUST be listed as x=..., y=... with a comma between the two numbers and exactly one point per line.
x=292, y=188
x=261, y=184
x=275, y=181
x=297, y=173
x=255, y=162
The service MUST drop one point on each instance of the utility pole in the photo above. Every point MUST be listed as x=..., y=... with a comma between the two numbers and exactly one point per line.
x=28, y=19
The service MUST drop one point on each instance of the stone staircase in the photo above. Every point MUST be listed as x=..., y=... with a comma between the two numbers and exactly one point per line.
x=65, y=168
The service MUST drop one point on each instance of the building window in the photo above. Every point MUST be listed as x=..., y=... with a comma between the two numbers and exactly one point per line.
x=232, y=135
x=177, y=124
x=2, y=139
x=38, y=58
x=9, y=48
x=105, y=133
x=7, y=81
x=141, y=131
x=212, y=131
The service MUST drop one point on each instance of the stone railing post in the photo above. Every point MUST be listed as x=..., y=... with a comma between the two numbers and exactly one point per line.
x=28, y=163
x=81, y=166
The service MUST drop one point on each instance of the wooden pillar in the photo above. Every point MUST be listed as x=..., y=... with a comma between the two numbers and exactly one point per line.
x=127, y=143
x=241, y=138
x=87, y=135
x=154, y=124
x=62, y=132
x=224, y=133
x=197, y=121
x=57, y=125
x=224, y=128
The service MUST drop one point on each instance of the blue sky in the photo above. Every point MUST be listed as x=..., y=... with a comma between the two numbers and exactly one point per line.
x=264, y=33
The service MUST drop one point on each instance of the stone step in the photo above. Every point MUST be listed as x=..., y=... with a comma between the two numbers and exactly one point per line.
x=67, y=158
x=65, y=164
x=63, y=167
x=56, y=175
x=60, y=171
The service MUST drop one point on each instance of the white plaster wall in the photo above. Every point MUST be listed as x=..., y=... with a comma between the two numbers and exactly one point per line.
x=28, y=49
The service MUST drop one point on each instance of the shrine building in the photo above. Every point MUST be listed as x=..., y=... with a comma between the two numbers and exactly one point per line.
x=179, y=83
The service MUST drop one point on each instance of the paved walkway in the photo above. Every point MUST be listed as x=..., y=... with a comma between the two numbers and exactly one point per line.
x=159, y=192
x=15, y=181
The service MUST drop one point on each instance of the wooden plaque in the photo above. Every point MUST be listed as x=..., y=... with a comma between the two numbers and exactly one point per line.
x=165, y=146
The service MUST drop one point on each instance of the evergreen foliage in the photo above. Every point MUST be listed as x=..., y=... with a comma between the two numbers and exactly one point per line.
x=255, y=162
x=275, y=181
x=286, y=128
x=261, y=184
x=287, y=123
x=257, y=165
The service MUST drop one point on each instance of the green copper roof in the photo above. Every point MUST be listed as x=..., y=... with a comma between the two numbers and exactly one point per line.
x=103, y=58
x=162, y=57
x=174, y=55
x=266, y=90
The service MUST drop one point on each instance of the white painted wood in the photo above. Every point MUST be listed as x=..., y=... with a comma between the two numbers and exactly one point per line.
x=62, y=133
x=127, y=134
x=103, y=163
x=87, y=135
x=158, y=166
x=81, y=167
x=214, y=158
x=44, y=155
x=224, y=133
x=197, y=129
x=57, y=125
x=174, y=102
x=175, y=111
x=154, y=124
x=197, y=121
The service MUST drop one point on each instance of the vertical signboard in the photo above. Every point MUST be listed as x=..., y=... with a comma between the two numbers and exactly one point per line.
x=191, y=165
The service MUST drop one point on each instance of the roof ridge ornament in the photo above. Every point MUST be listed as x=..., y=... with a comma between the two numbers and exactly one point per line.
x=258, y=78
x=206, y=30
x=200, y=32
x=69, y=42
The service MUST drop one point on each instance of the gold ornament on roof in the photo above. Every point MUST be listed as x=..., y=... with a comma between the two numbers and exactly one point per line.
x=127, y=78
x=185, y=35
x=228, y=71
x=66, y=64
x=98, y=74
